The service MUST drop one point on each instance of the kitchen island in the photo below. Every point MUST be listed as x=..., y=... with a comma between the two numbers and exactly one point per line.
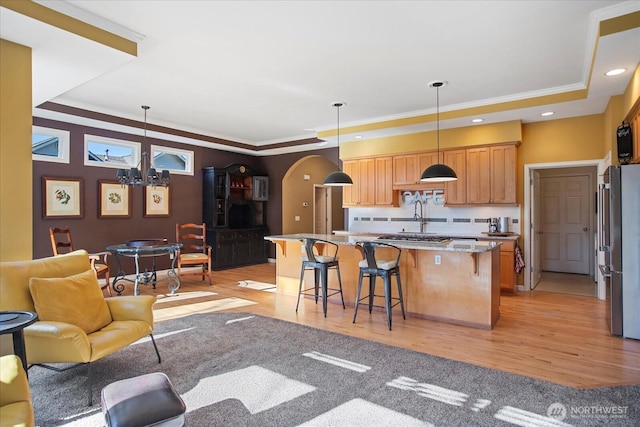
x=454, y=281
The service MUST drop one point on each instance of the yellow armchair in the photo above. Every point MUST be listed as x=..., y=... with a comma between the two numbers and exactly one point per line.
x=60, y=289
x=15, y=397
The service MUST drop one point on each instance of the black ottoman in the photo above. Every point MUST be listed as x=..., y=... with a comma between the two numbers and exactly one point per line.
x=147, y=400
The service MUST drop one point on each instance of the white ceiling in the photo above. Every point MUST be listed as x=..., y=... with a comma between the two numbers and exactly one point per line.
x=264, y=72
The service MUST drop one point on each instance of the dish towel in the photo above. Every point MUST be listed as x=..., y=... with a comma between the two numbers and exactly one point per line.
x=519, y=259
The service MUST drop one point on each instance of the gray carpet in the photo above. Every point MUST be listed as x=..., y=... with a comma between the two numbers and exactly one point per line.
x=236, y=369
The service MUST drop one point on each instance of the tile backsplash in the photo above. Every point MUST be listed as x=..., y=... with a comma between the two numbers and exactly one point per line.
x=438, y=219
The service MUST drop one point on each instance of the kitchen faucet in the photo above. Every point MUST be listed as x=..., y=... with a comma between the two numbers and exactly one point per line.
x=419, y=217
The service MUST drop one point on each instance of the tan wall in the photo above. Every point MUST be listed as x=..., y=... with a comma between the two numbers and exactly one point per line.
x=16, y=190
x=295, y=191
x=578, y=138
x=449, y=138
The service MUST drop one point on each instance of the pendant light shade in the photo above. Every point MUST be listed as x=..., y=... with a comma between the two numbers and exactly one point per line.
x=338, y=178
x=438, y=172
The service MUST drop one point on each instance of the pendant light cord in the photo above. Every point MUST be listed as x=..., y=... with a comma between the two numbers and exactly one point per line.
x=438, y=121
x=338, y=108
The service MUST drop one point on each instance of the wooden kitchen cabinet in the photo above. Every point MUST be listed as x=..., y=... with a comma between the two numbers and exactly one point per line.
x=407, y=170
x=634, y=122
x=491, y=175
x=455, y=192
x=372, y=182
x=384, y=194
x=508, y=275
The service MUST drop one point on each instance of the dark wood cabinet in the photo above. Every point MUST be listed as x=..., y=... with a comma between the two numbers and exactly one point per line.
x=234, y=208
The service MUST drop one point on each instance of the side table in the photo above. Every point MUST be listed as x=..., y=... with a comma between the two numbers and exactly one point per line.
x=13, y=322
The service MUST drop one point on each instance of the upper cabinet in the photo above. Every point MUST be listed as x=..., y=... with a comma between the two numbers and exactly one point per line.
x=372, y=183
x=486, y=175
x=407, y=170
x=634, y=122
x=491, y=175
x=456, y=191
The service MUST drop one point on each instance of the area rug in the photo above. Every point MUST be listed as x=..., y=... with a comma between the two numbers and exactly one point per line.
x=238, y=369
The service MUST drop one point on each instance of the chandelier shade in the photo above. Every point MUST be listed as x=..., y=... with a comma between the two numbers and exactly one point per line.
x=438, y=172
x=338, y=178
x=144, y=173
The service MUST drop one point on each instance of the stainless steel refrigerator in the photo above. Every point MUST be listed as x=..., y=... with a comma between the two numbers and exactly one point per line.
x=620, y=240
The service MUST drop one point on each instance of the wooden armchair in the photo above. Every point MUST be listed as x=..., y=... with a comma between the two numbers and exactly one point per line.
x=61, y=243
x=194, y=251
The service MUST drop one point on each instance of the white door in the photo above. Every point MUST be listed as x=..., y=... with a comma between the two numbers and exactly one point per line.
x=536, y=230
x=322, y=209
x=566, y=246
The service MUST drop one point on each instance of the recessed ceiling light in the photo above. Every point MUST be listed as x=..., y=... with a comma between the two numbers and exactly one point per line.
x=615, y=72
x=547, y=113
x=310, y=130
x=357, y=137
x=477, y=120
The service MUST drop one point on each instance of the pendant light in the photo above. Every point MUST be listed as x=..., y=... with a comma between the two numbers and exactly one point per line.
x=438, y=172
x=148, y=176
x=338, y=178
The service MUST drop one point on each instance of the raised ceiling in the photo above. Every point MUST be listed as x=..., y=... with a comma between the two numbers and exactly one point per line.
x=260, y=76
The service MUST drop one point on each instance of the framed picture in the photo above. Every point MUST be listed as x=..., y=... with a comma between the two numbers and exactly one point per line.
x=62, y=198
x=114, y=200
x=261, y=188
x=156, y=201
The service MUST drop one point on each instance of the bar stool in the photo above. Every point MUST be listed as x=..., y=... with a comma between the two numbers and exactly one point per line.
x=373, y=268
x=320, y=264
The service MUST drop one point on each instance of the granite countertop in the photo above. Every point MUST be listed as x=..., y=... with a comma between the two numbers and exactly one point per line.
x=470, y=235
x=451, y=245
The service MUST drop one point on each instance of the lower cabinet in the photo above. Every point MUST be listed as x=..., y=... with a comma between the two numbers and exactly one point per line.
x=508, y=275
x=234, y=248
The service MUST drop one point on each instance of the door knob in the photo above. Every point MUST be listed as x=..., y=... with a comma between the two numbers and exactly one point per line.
x=585, y=229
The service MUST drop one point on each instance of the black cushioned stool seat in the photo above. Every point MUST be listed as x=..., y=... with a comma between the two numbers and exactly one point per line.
x=146, y=400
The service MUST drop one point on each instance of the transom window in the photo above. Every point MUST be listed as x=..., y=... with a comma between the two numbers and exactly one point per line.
x=110, y=153
x=173, y=159
x=50, y=145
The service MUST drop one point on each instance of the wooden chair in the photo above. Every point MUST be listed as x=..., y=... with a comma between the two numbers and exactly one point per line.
x=194, y=251
x=61, y=243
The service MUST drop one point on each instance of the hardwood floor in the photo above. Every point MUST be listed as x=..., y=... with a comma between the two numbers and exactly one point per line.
x=563, y=339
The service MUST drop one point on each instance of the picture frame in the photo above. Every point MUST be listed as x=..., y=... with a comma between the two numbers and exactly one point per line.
x=62, y=197
x=157, y=202
x=114, y=200
x=260, y=188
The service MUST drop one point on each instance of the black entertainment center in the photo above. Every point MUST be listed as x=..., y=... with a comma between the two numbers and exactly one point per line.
x=234, y=211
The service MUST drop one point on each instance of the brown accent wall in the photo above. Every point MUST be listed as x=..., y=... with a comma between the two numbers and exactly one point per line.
x=95, y=234
x=276, y=167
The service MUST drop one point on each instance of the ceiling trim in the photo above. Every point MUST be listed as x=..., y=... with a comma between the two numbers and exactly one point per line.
x=108, y=121
x=75, y=26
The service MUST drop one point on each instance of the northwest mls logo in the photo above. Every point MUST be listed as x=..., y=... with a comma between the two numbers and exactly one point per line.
x=557, y=411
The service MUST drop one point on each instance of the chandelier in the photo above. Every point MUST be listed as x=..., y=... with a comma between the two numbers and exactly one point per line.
x=144, y=173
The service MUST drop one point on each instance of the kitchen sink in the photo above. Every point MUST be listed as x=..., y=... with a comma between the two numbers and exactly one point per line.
x=422, y=237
